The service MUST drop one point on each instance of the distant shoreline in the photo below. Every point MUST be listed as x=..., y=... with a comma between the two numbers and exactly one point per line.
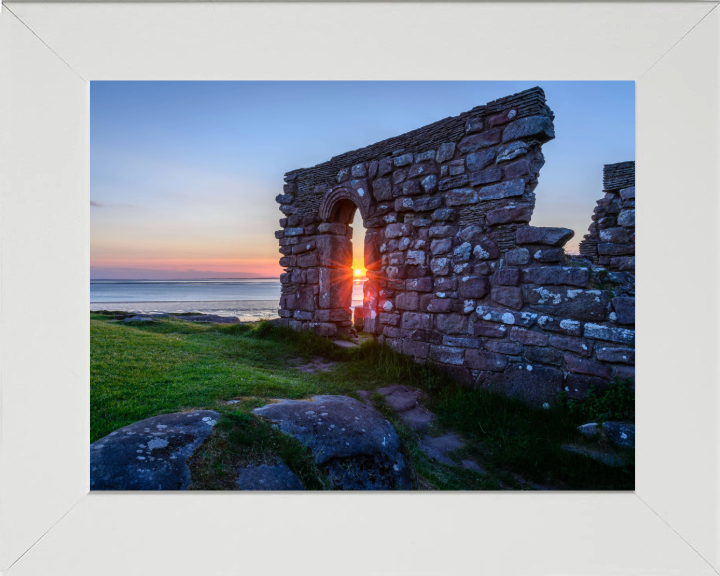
x=171, y=279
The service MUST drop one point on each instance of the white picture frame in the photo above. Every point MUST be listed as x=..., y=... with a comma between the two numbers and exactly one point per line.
x=51, y=524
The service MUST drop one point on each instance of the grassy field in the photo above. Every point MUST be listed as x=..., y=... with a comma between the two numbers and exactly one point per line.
x=142, y=369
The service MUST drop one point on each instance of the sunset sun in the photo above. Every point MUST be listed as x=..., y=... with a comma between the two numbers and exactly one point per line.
x=358, y=272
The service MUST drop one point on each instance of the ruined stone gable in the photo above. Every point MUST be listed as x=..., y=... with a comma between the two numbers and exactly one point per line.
x=456, y=275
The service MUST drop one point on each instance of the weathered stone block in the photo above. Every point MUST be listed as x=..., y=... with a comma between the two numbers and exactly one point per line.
x=510, y=151
x=407, y=301
x=427, y=204
x=284, y=198
x=472, y=233
x=411, y=188
x=288, y=261
x=415, y=258
x=334, y=251
x=445, y=284
x=454, y=182
x=462, y=342
x=297, y=277
x=440, y=305
x=451, y=323
x=577, y=345
x=562, y=325
x=486, y=176
x=443, y=231
x=303, y=315
x=529, y=337
x=509, y=296
x=583, y=366
x=419, y=284
x=546, y=236
x=461, y=197
x=478, y=141
x=502, y=118
x=359, y=171
x=389, y=319
x=403, y=160
x=517, y=257
x=415, y=321
x=520, y=213
x=396, y=230
x=615, y=235
x=423, y=169
x=415, y=348
x=620, y=355
x=544, y=355
x=493, y=314
x=479, y=160
x=307, y=260
x=534, y=385
x=502, y=347
x=507, y=277
x=335, y=287
x=575, y=303
x=373, y=256
x=334, y=315
x=429, y=184
x=474, y=286
x=440, y=246
x=539, y=127
x=385, y=166
x=609, y=333
x=480, y=360
x=487, y=250
x=489, y=329
x=578, y=385
x=627, y=218
x=382, y=189
x=609, y=249
x=446, y=152
x=624, y=263
x=549, y=255
x=624, y=309
x=573, y=276
x=516, y=169
x=447, y=355
x=505, y=189
x=334, y=228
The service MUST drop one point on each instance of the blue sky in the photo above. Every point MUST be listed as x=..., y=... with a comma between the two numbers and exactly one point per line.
x=184, y=174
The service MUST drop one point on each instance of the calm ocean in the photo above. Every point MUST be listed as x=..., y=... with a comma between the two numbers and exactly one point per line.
x=247, y=299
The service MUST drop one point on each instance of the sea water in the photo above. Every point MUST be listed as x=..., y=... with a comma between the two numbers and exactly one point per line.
x=248, y=299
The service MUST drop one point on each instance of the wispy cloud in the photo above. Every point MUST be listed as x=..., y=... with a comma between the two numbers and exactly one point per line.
x=96, y=204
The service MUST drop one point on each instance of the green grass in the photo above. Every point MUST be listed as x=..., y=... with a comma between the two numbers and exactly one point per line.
x=142, y=369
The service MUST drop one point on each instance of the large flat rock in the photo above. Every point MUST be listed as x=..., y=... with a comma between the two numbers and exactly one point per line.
x=151, y=454
x=352, y=443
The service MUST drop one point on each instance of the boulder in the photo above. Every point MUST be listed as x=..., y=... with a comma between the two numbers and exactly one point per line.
x=352, y=443
x=546, y=236
x=620, y=433
x=151, y=454
x=264, y=477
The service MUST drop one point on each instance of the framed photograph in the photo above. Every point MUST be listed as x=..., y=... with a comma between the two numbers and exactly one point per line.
x=430, y=163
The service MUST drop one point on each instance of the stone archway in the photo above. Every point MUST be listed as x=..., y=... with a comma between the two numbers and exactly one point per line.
x=337, y=212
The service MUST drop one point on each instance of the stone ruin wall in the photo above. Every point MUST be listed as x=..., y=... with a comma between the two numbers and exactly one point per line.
x=610, y=241
x=456, y=275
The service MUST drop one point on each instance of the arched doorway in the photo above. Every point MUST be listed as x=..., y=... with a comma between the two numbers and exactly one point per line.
x=342, y=271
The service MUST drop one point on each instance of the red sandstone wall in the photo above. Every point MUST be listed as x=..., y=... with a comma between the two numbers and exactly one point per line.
x=456, y=276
